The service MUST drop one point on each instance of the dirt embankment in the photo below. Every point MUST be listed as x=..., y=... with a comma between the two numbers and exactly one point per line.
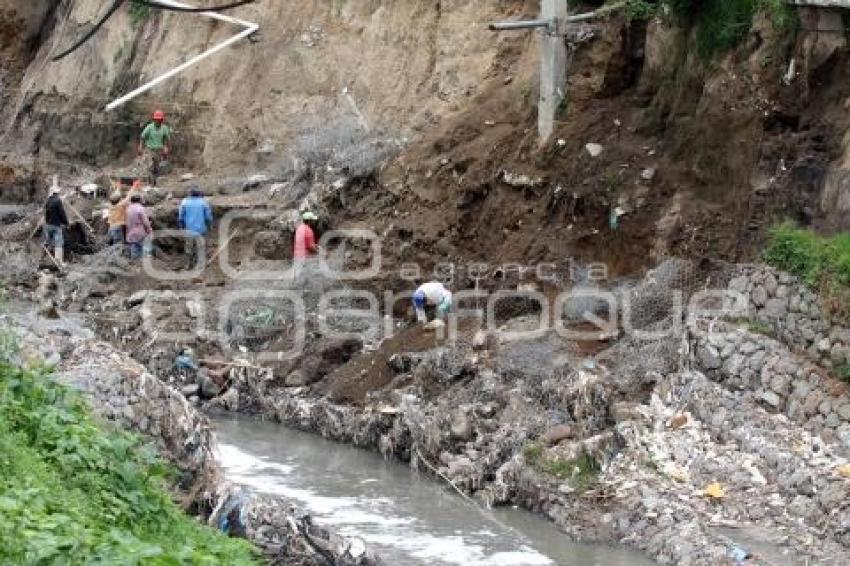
x=701, y=156
x=314, y=73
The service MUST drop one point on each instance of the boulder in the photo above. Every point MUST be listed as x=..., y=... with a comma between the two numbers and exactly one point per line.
x=460, y=466
x=594, y=149
x=775, y=308
x=771, y=399
x=708, y=358
x=759, y=296
x=558, y=433
x=461, y=426
x=770, y=284
x=839, y=354
x=739, y=284
x=190, y=390
x=208, y=387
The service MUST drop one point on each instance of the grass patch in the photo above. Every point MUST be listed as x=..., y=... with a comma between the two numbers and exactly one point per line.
x=580, y=472
x=843, y=373
x=73, y=493
x=823, y=263
x=756, y=327
x=139, y=14
x=533, y=451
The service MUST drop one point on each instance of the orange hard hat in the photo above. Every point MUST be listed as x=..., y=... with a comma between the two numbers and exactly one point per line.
x=159, y=115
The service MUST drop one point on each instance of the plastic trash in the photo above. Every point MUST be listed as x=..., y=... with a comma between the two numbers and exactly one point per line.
x=739, y=555
x=714, y=490
x=184, y=361
x=231, y=519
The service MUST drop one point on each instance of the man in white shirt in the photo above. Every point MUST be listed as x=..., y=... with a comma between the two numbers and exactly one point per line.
x=435, y=294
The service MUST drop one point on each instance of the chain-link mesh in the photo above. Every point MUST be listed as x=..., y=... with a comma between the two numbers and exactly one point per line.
x=338, y=146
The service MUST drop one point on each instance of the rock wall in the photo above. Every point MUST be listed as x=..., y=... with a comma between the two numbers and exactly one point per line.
x=781, y=347
x=794, y=313
x=779, y=380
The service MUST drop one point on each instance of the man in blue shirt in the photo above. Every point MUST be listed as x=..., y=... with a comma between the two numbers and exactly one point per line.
x=195, y=217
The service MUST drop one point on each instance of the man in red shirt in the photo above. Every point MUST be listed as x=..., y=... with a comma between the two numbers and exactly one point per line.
x=305, y=240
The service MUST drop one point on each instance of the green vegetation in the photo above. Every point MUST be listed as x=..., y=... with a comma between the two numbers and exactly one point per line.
x=139, y=13
x=843, y=373
x=821, y=262
x=721, y=24
x=533, y=451
x=72, y=493
x=756, y=327
x=8, y=342
x=580, y=472
x=641, y=9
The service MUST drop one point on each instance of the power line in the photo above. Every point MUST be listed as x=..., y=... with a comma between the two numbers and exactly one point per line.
x=116, y=4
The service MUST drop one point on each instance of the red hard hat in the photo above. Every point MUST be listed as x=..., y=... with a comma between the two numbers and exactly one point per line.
x=159, y=115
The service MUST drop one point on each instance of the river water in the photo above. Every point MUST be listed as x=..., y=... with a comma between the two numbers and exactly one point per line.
x=407, y=518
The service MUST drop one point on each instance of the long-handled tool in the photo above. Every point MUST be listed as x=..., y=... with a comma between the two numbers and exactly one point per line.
x=56, y=263
x=221, y=248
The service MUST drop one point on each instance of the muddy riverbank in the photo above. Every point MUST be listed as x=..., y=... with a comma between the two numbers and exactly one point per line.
x=407, y=518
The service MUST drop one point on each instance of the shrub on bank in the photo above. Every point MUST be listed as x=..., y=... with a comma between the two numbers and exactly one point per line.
x=74, y=493
x=721, y=24
x=821, y=262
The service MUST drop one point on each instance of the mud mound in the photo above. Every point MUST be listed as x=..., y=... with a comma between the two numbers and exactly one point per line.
x=373, y=371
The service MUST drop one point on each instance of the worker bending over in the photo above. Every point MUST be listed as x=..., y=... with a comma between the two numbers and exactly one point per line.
x=195, y=217
x=432, y=293
x=54, y=220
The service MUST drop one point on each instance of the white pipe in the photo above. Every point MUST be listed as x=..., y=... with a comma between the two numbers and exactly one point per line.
x=604, y=10
x=250, y=28
x=214, y=15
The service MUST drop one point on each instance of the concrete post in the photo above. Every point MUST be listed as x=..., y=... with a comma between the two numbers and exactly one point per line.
x=553, y=66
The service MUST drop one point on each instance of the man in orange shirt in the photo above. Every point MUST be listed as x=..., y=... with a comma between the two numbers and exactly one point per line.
x=305, y=240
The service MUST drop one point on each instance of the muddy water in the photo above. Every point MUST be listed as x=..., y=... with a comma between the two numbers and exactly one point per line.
x=407, y=518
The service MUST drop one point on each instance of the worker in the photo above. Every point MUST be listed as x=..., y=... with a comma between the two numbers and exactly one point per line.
x=195, y=217
x=54, y=221
x=138, y=226
x=305, y=240
x=155, y=144
x=432, y=293
x=117, y=218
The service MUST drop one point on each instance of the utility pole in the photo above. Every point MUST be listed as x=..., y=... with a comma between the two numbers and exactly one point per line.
x=553, y=60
